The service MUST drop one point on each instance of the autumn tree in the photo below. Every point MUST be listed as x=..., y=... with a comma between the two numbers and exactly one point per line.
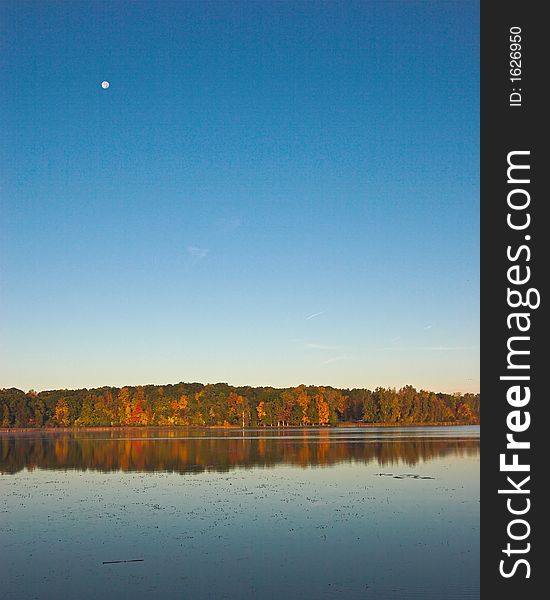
x=261, y=411
x=339, y=402
x=465, y=413
x=62, y=413
x=138, y=415
x=85, y=418
x=124, y=415
x=6, y=416
x=302, y=399
x=179, y=408
x=322, y=408
x=238, y=408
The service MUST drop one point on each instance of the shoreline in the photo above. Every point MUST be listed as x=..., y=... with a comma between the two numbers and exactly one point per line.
x=231, y=427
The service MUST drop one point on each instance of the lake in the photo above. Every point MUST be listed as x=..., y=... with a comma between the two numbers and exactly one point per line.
x=384, y=513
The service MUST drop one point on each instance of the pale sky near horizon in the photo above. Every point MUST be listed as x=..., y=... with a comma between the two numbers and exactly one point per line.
x=267, y=193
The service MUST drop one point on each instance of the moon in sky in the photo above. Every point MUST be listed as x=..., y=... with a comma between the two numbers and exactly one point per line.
x=104, y=84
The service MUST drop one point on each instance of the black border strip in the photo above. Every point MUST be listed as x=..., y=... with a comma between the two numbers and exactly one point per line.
x=507, y=127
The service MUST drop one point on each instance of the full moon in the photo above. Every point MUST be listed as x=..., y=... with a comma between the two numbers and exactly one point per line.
x=104, y=84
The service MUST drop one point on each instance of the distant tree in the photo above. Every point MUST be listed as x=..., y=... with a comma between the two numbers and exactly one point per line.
x=302, y=400
x=370, y=406
x=237, y=408
x=62, y=413
x=124, y=416
x=261, y=412
x=138, y=415
x=465, y=413
x=6, y=416
x=322, y=408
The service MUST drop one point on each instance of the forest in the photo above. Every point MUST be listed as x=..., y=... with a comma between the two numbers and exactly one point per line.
x=199, y=405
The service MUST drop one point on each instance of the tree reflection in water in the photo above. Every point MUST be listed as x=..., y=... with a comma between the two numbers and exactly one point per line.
x=191, y=451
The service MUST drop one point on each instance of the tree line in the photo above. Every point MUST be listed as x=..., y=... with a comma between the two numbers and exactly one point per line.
x=195, y=404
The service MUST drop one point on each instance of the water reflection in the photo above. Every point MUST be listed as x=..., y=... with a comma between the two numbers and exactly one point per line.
x=192, y=451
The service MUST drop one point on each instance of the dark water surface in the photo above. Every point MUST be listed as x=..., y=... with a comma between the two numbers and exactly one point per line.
x=381, y=513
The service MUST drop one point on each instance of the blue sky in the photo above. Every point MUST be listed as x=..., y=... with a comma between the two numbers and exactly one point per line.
x=268, y=193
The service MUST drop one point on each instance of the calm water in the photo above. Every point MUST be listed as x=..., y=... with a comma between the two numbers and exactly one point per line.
x=333, y=513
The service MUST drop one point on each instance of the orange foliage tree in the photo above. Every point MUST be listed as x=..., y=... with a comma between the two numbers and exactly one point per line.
x=322, y=408
x=62, y=413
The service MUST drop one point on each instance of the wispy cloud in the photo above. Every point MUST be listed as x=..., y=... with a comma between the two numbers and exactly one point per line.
x=317, y=314
x=334, y=359
x=444, y=348
x=425, y=348
x=314, y=346
x=426, y=327
x=395, y=339
x=197, y=253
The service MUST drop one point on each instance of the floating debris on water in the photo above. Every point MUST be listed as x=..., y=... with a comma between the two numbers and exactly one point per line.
x=405, y=476
x=115, y=562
